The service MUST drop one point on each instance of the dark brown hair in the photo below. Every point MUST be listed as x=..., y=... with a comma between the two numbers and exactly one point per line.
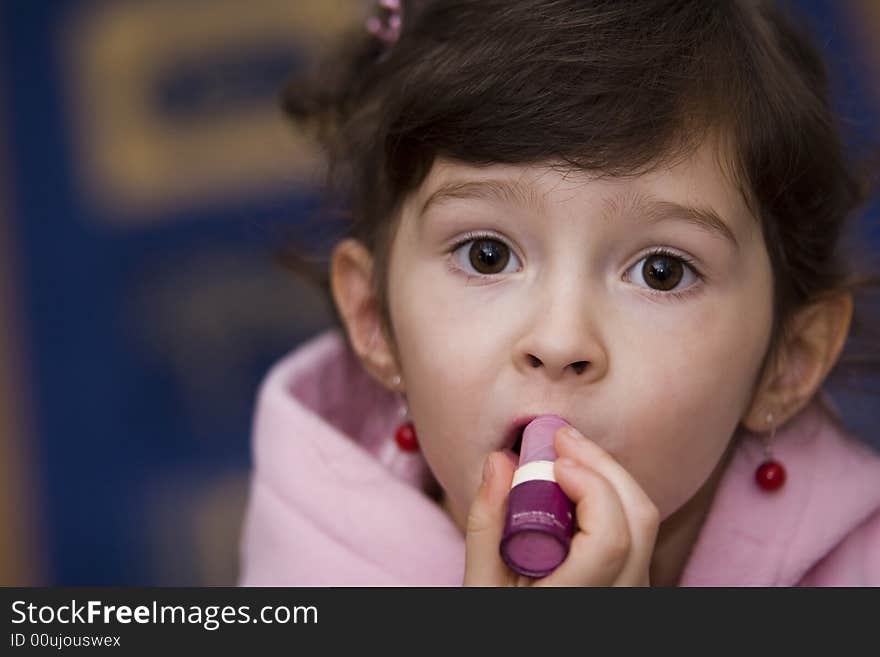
x=601, y=86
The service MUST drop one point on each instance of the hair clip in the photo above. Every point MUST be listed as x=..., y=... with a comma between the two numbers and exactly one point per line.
x=386, y=26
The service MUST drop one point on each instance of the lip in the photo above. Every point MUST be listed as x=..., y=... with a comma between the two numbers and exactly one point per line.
x=512, y=434
x=515, y=430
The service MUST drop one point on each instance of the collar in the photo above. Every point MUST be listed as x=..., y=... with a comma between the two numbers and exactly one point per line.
x=324, y=449
x=756, y=538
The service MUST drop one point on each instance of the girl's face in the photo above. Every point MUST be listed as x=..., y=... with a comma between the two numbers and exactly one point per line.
x=516, y=291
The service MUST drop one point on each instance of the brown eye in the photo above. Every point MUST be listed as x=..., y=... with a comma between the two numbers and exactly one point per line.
x=662, y=272
x=488, y=256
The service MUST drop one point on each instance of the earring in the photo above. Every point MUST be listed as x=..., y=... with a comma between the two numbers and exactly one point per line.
x=770, y=475
x=405, y=436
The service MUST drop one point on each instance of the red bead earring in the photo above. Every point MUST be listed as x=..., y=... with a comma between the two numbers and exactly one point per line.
x=405, y=435
x=770, y=475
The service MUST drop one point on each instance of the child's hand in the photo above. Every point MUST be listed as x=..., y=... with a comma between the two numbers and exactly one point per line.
x=616, y=522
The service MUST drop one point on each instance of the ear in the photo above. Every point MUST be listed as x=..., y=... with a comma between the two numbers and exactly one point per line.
x=810, y=349
x=351, y=282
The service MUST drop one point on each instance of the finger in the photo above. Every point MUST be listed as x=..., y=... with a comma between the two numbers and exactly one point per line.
x=485, y=524
x=641, y=513
x=600, y=547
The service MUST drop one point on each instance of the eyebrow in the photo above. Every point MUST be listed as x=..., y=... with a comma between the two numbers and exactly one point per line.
x=501, y=191
x=647, y=209
x=641, y=208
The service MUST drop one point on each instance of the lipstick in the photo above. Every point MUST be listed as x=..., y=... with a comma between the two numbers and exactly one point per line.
x=539, y=522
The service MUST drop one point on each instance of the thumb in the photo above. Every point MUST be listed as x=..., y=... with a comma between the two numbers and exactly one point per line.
x=485, y=524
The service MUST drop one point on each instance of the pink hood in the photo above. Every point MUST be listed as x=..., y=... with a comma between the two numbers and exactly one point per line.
x=334, y=502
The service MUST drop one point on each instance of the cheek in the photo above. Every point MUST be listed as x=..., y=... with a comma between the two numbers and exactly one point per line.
x=686, y=439
x=448, y=422
x=449, y=376
x=445, y=342
x=687, y=404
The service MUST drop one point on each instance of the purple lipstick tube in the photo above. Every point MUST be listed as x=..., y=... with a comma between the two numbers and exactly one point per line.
x=540, y=518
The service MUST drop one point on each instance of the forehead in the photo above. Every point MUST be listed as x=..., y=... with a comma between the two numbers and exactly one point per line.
x=702, y=170
x=698, y=184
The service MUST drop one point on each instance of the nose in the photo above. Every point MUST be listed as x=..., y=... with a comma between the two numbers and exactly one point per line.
x=562, y=343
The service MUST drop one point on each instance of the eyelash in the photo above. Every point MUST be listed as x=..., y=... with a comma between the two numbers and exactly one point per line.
x=471, y=237
x=688, y=262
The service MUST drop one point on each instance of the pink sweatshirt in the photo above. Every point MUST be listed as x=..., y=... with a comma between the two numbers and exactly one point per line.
x=335, y=502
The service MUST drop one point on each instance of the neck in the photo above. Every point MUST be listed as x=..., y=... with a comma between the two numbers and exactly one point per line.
x=678, y=533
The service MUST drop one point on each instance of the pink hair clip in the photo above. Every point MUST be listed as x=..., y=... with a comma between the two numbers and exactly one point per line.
x=387, y=25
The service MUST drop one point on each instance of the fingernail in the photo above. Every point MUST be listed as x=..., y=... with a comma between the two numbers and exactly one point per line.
x=565, y=462
x=487, y=469
x=569, y=433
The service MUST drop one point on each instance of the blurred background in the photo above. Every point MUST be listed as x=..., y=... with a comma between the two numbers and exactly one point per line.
x=146, y=176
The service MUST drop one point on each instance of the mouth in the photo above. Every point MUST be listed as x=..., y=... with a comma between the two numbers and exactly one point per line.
x=518, y=444
x=512, y=443
x=513, y=439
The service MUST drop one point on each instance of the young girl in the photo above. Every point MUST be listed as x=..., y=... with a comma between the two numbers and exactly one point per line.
x=629, y=215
